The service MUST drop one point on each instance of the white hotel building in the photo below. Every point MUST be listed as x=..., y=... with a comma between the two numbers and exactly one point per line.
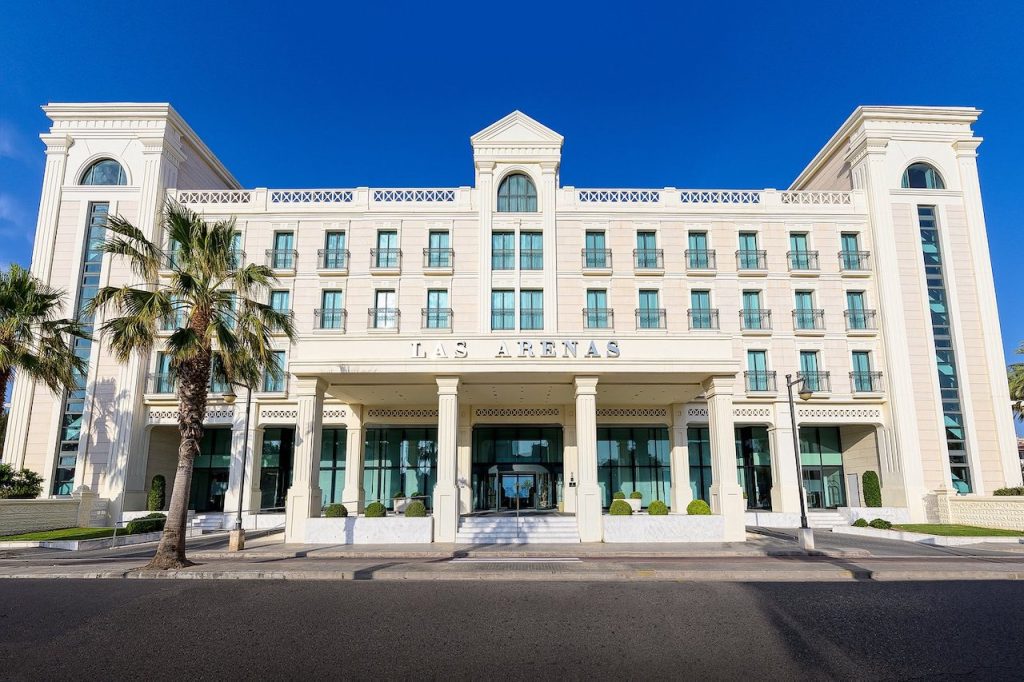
x=523, y=343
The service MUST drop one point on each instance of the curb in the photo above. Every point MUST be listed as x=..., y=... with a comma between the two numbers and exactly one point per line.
x=221, y=555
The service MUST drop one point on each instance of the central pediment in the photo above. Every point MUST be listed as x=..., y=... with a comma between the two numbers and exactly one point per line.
x=517, y=129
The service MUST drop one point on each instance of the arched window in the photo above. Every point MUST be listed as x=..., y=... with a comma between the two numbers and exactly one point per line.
x=517, y=194
x=105, y=172
x=921, y=176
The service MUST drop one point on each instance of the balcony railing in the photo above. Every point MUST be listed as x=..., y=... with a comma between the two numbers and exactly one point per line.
x=332, y=259
x=330, y=318
x=802, y=260
x=597, y=259
x=752, y=259
x=503, y=318
x=282, y=259
x=383, y=318
x=438, y=258
x=816, y=382
x=857, y=320
x=389, y=259
x=598, y=318
x=531, y=318
x=649, y=259
x=703, y=318
x=701, y=259
x=167, y=384
x=272, y=384
x=436, y=318
x=759, y=381
x=503, y=259
x=650, y=318
x=755, y=318
x=866, y=382
x=853, y=261
x=809, y=318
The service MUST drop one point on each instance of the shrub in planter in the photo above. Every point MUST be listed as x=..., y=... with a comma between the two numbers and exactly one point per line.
x=150, y=523
x=620, y=508
x=636, y=495
x=618, y=495
x=861, y=523
x=657, y=508
x=335, y=511
x=1019, y=490
x=698, y=508
x=872, y=489
x=398, y=496
x=375, y=510
x=157, y=492
x=415, y=510
x=880, y=524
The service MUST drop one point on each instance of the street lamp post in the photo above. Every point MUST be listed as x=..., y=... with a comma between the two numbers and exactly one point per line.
x=236, y=540
x=806, y=534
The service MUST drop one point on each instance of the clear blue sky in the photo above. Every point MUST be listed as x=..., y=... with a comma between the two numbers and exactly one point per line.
x=343, y=94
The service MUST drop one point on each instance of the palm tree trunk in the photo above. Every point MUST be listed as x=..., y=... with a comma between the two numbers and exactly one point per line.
x=193, y=380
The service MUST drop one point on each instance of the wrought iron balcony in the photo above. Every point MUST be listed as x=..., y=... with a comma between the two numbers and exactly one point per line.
x=816, y=382
x=806, y=261
x=759, y=381
x=808, y=319
x=752, y=259
x=756, y=318
x=597, y=259
x=162, y=384
x=650, y=318
x=282, y=259
x=598, y=318
x=861, y=320
x=383, y=318
x=385, y=259
x=866, y=382
x=853, y=261
x=331, y=318
x=649, y=259
x=701, y=259
x=332, y=259
x=438, y=258
x=703, y=318
x=436, y=318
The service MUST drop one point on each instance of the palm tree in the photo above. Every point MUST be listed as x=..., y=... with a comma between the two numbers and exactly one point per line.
x=34, y=342
x=1015, y=377
x=212, y=298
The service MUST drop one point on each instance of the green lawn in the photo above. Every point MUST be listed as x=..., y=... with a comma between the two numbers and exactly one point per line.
x=63, y=534
x=954, y=529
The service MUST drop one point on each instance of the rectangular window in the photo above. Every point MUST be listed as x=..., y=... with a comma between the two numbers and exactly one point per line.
x=700, y=310
x=758, y=378
x=387, y=249
x=531, y=309
x=333, y=446
x=698, y=445
x=236, y=250
x=503, y=309
x=438, y=314
x=503, y=251
x=280, y=301
x=649, y=314
x=800, y=256
x=813, y=378
x=385, y=311
x=754, y=465
x=335, y=255
x=531, y=251
x=698, y=257
x=749, y=257
x=400, y=460
x=332, y=312
x=634, y=459
x=597, y=315
x=752, y=315
x=282, y=257
x=439, y=252
x=803, y=314
x=595, y=254
x=850, y=255
x=856, y=316
x=647, y=254
x=274, y=378
x=163, y=381
x=863, y=379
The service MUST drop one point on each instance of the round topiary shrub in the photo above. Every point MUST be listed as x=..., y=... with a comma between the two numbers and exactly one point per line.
x=397, y=496
x=636, y=495
x=150, y=523
x=872, y=489
x=861, y=523
x=157, y=493
x=657, y=508
x=335, y=511
x=618, y=495
x=880, y=524
x=698, y=508
x=375, y=510
x=416, y=510
x=620, y=508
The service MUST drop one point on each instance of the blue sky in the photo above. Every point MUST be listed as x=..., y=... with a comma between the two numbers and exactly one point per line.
x=339, y=95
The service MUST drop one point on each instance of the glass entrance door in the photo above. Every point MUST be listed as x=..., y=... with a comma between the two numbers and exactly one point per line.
x=517, y=491
x=821, y=456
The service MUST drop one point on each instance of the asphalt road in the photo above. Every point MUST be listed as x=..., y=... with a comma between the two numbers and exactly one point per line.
x=182, y=629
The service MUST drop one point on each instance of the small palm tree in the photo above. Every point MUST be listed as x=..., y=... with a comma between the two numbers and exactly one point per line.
x=1015, y=377
x=34, y=342
x=213, y=299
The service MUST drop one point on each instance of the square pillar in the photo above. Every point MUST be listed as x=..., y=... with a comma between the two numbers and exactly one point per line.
x=353, y=496
x=679, y=469
x=446, y=491
x=243, y=454
x=726, y=495
x=786, y=489
x=304, y=496
x=588, y=492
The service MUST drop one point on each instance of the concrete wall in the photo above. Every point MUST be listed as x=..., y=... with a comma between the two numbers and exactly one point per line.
x=988, y=511
x=859, y=455
x=27, y=516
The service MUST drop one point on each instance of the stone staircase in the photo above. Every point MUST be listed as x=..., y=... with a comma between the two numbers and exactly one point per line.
x=826, y=519
x=480, y=530
x=206, y=523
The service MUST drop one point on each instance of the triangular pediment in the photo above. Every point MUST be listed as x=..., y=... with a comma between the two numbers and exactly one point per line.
x=517, y=129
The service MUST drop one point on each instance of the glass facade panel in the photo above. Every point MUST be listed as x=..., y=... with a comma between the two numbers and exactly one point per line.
x=698, y=445
x=333, y=446
x=754, y=466
x=210, y=471
x=634, y=459
x=276, y=456
x=400, y=460
x=517, y=467
x=821, y=457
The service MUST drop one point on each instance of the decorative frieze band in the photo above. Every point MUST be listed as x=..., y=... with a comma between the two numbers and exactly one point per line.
x=518, y=412
x=278, y=414
x=839, y=413
x=401, y=414
x=632, y=412
x=335, y=414
x=697, y=412
x=213, y=414
x=751, y=412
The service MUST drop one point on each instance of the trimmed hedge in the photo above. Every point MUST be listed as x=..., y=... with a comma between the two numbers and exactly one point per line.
x=657, y=508
x=375, y=510
x=620, y=508
x=157, y=493
x=872, y=489
x=698, y=508
x=861, y=523
x=415, y=510
x=636, y=495
x=335, y=511
x=1019, y=490
x=880, y=524
x=150, y=523
x=618, y=495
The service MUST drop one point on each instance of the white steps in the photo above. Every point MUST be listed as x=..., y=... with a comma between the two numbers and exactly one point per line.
x=207, y=523
x=826, y=519
x=489, y=530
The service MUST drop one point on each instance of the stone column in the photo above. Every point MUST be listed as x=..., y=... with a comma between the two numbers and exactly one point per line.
x=679, y=470
x=242, y=453
x=352, y=495
x=446, y=491
x=726, y=495
x=588, y=492
x=464, y=447
x=786, y=488
x=304, y=496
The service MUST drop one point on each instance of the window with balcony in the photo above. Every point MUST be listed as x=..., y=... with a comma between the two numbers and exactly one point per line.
x=437, y=314
x=851, y=257
x=863, y=379
x=759, y=378
x=805, y=315
x=384, y=314
x=814, y=379
x=858, y=317
x=332, y=310
x=334, y=255
x=503, y=251
x=237, y=254
x=531, y=309
x=517, y=194
x=597, y=315
x=282, y=256
x=753, y=316
x=387, y=254
x=749, y=257
x=274, y=378
x=503, y=309
x=698, y=255
x=800, y=255
x=281, y=301
x=439, y=252
x=595, y=253
x=647, y=255
x=531, y=251
x=702, y=316
x=650, y=314
x=163, y=380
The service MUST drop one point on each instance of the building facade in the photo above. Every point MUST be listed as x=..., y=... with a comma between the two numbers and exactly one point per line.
x=523, y=345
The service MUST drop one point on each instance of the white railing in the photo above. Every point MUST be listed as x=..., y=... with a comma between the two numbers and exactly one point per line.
x=446, y=196
x=618, y=196
x=218, y=196
x=311, y=196
x=720, y=196
x=825, y=198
